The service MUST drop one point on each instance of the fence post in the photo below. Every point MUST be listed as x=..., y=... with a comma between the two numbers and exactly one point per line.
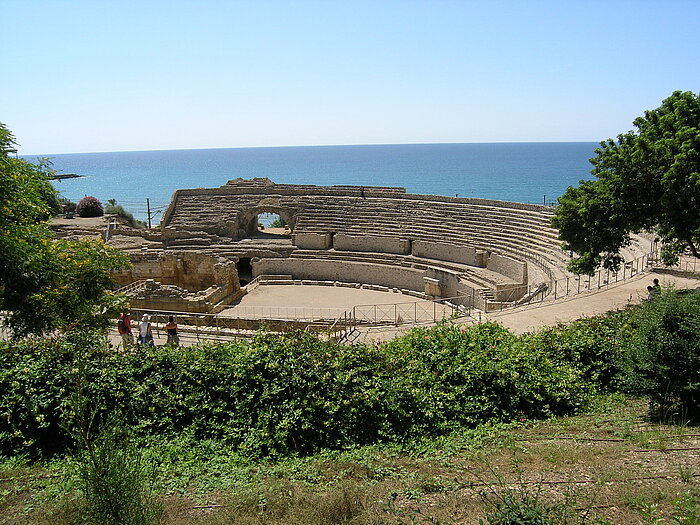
x=555, y=290
x=578, y=288
x=598, y=279
x=567, y=286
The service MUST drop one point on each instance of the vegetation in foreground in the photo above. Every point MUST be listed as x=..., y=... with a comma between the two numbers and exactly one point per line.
x=438, y=426
x=47, y=284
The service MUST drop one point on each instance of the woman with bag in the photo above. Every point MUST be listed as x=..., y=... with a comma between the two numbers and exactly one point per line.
x=145, y=331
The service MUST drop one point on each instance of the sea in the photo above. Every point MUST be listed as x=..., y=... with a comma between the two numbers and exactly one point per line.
x=143, y=181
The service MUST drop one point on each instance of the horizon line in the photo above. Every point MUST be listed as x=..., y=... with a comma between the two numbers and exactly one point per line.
x=313, y=146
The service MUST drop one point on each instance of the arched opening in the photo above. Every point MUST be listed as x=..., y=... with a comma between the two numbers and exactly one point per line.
x=257, y=222
x=273, y=224
x=245, y=270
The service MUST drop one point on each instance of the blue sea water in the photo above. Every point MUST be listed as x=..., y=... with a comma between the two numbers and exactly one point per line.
x=533, y=172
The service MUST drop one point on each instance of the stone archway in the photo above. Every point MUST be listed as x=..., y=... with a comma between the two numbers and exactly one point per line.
x=246, y=224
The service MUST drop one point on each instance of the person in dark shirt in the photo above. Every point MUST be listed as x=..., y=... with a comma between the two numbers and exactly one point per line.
x=171, y=330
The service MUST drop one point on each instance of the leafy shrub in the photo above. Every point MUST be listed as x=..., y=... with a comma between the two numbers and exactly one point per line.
x=115, y=482
x=119, y=211
x=284, y=395
x=664, y=355
x=446, y=377
x=67, y=205
x=89, y=207
x=596, y=345
x=279, y=222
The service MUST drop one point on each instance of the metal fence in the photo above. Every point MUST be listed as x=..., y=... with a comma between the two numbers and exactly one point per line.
x=409, y=313
x=243, y=322
x=297, y=313
x=686, y=264
x=568, y=286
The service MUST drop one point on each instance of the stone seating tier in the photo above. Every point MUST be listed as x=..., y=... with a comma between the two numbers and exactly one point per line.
x=425, y=226
x=481, y=276
x=520, y=231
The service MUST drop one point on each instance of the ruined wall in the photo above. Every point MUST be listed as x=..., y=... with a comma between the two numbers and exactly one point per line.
x=313, y=241
x=190, y=270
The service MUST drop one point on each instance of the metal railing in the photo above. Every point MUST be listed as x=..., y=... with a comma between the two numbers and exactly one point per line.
x=132, y=287
x=686, y=264
x=292, y=313
x=568, y=286
x=410, y=313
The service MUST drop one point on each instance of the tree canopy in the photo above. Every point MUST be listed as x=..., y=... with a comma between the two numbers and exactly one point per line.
x=646, y=180
x=46, y=284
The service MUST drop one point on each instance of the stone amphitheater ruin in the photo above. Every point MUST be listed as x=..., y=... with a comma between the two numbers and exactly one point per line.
x=209, y=250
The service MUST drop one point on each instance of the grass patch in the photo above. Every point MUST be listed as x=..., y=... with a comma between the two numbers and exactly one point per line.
x=461, y=478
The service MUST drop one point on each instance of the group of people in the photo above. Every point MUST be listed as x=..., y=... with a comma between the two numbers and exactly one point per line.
x=145, y=330
x=653, y=291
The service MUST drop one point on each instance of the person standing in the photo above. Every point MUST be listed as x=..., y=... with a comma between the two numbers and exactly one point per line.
x=146, y=331
x=171, y=330
x=124, y=329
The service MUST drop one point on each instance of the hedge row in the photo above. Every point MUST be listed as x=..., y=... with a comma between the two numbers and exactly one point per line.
x=292, y=394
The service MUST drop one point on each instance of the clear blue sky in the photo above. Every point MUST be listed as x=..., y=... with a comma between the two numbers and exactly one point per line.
x=81, y=76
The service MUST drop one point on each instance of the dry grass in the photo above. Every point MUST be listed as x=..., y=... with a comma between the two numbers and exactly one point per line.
x=614, y=467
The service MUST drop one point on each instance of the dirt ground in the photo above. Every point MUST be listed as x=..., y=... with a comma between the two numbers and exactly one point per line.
x=616, y=296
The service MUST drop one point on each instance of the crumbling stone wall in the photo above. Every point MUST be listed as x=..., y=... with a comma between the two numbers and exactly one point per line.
x=183, y=282
x=189, y=270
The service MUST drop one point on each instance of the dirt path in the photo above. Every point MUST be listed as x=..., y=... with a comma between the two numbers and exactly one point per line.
x=529, y=318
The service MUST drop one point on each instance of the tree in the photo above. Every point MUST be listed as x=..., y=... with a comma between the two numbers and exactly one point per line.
x=646, y=180
x=46, y=284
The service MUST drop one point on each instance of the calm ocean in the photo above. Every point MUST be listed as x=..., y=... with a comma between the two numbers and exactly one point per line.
x=531, y=172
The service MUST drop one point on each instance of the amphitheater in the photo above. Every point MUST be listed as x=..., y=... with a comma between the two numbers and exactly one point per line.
x=464, y=254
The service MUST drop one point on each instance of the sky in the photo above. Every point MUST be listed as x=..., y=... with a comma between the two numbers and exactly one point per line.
x=90, y=76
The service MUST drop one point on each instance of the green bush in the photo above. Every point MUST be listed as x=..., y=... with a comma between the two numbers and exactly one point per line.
x=281, y=395
x=89, y=207
x=664, y=355
x=596, y=345
x=116, y=484
x=119, y=211
x=279, y=222
x=447, y=377
x=67, y=205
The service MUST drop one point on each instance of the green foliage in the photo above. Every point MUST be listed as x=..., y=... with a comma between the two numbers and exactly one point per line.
x=446, y=377
x=646, y=180
x=664, y=355
x=7, y=140
x=596, y=345
x=46, y=284
x=115, y=484
x=287, y=395
x=279, y=222
x=119, y=211
x=519, y=508
x=89, y=207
